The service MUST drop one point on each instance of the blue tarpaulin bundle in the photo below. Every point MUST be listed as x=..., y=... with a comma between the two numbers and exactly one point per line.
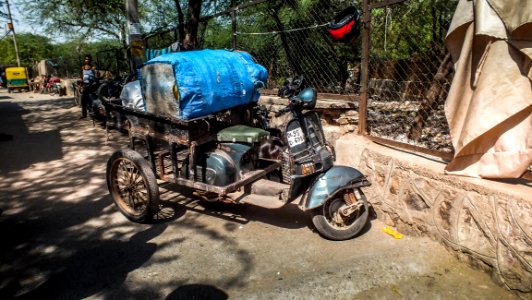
x=193, y=84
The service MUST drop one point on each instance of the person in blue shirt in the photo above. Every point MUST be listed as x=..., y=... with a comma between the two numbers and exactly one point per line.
x=88, y=76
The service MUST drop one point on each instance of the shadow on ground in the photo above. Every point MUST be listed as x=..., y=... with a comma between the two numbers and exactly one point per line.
x=38, y=146
x=182, y=198
x=62, y=236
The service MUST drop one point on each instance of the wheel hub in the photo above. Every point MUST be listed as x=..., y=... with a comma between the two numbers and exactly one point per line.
x=335, y=209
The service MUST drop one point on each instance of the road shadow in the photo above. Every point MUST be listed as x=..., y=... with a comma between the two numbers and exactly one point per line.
x=197, y=291
x=97, y=266
x=62, y=236
x=31, y=147
x=288, y=216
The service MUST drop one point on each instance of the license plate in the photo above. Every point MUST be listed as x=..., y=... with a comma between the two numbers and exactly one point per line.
x=295, y=137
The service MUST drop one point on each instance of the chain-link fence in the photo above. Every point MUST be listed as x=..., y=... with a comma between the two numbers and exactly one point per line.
x=113, y=61
x=401, y=86
x=161, y=39
x=289, y=38
x=409, y=72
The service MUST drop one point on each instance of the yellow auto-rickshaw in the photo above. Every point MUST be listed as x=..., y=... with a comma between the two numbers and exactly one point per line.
x=17, y=79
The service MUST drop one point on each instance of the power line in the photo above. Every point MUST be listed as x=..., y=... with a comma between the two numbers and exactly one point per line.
x=283, y=31
x=5, y=35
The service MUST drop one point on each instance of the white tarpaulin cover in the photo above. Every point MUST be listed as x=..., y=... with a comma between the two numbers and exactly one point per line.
x=131, y=96
x=489, y=107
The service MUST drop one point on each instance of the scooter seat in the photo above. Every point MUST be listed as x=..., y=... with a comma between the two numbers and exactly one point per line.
x=242, y=134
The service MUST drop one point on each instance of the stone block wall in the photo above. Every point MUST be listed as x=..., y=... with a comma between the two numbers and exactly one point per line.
x=488, y=224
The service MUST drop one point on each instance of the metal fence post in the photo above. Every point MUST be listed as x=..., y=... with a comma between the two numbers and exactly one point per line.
x=233, y=25
x=364, y=69
x=136, y=42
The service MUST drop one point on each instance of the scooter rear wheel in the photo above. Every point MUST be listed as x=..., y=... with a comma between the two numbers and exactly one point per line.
x=132, y=185
x=333, y=224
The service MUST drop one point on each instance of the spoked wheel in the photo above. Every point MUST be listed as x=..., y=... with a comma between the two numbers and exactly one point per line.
x=343, y=216
x=133, y=185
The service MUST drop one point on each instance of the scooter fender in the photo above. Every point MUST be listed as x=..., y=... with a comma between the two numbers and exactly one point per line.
x=331, y=182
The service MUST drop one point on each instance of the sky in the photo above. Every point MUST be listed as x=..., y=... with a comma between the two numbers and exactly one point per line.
x=18, y=19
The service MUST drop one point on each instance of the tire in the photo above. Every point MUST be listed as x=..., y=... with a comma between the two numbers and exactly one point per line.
x=53, y=91
x=107, y=92
x=332, y=225
x=103, y=92
x=133, y=185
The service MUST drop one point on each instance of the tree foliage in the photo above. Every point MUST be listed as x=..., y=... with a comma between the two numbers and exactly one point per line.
x=31, y=47
x=107, y=19
x=414, y=29
x=66, y=57
x=286, y=36
x=79, y=18
x=289, y=38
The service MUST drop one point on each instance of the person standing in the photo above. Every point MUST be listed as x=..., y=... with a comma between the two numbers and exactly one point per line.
x=89, y=76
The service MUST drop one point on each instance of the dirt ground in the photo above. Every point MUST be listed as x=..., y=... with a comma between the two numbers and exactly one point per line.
x=63, y=238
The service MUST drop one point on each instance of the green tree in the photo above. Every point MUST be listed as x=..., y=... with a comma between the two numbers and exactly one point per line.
x=31, y=47
x=411, y=29
x=82, y=18
x=97, y=19
x=67, y=57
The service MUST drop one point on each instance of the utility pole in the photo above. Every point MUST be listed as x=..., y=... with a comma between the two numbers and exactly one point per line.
x=12, y=29
x=136, y=44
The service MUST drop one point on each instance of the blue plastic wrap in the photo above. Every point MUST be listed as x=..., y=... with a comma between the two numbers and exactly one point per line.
x=204, y=82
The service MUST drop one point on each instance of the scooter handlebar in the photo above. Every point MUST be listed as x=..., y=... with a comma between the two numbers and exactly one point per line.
x=295, y=101
x=282, y=111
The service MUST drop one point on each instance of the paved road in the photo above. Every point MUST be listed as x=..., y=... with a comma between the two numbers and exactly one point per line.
x=62, y=237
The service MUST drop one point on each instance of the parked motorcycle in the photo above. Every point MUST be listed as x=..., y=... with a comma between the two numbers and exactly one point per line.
x=95, y=108
x=53, y=86
x=110, y=90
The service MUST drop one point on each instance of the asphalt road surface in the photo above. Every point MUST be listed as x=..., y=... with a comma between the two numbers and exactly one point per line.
x=63, y=238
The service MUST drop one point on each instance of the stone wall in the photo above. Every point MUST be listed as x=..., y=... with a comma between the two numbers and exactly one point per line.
x=487, y=223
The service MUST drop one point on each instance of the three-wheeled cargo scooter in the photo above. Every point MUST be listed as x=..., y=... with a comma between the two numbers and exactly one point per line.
x=229, y=156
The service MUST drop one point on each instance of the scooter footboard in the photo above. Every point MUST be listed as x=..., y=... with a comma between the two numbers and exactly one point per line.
x=336, y=179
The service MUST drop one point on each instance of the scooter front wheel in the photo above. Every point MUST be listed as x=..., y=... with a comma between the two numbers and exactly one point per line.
x=343, y=216
x=132, y=185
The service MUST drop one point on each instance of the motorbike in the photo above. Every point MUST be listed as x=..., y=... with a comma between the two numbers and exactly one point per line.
x=95, y=108
x=236, y=158
x=110, y=90
x=53, y=86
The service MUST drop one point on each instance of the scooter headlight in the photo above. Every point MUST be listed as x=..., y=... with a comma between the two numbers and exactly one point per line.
x=308, y=96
